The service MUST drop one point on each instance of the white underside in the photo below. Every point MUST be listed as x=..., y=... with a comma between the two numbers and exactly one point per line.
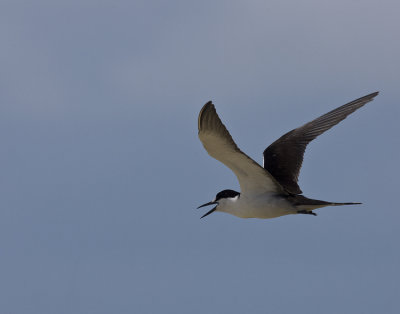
x=263, y=206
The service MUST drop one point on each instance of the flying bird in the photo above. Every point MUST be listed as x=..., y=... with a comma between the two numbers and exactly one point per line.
x=272, y=190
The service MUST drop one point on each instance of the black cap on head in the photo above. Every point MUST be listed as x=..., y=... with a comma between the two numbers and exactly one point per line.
x=220, y=195
x=226, y=194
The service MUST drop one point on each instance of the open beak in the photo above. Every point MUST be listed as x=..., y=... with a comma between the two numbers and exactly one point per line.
x=209, y=212
x=207, y=204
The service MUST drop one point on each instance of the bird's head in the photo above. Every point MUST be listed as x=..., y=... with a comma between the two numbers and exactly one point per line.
x=221, y=199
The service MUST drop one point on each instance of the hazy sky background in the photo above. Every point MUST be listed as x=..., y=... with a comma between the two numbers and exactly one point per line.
x=101, y=167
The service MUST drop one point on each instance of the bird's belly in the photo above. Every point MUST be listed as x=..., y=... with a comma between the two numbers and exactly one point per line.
x=264, y=207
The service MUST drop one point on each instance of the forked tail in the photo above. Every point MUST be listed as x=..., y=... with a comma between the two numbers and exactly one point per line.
x=339, y=204
x=304, y=203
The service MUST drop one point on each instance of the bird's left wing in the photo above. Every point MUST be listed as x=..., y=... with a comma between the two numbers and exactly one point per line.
x=217, y=141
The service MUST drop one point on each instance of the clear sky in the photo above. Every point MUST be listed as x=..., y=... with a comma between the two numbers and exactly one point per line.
x=101, y=167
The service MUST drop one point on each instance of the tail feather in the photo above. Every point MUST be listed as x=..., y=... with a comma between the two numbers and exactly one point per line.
x=339, y=204
x=304, y=203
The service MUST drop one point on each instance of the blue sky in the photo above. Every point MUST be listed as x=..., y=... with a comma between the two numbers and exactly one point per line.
x=102, y=169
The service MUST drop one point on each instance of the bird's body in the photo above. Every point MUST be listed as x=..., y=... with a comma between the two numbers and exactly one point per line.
x=270, y=191
x=267, y=205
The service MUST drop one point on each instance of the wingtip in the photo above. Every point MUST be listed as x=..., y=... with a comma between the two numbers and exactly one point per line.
x=208, y=105
x=369, y=97
x=359, y=102
x=374, y=94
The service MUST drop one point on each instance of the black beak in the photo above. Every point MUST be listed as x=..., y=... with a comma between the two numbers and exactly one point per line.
x=206, y=204
x=209, y=212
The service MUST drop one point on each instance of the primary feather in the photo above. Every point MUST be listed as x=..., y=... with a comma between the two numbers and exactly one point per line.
x=217, y=141
x=284, y=157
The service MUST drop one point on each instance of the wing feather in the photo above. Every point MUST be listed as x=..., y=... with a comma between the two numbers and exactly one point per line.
x=217, y=141
x=284, y=157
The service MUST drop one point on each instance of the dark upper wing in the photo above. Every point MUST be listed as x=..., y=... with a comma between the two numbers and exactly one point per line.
x=284, y=157
x=253, y=178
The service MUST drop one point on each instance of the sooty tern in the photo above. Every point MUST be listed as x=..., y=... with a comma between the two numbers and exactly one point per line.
x=269, y=191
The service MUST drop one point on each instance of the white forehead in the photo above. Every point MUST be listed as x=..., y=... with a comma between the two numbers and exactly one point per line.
x=227, y=198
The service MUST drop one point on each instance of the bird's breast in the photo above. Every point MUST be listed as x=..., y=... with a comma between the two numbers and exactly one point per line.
x=262, y=206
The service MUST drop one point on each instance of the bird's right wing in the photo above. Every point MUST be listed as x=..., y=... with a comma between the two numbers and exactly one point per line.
x=283, y=158
x=217, y=141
